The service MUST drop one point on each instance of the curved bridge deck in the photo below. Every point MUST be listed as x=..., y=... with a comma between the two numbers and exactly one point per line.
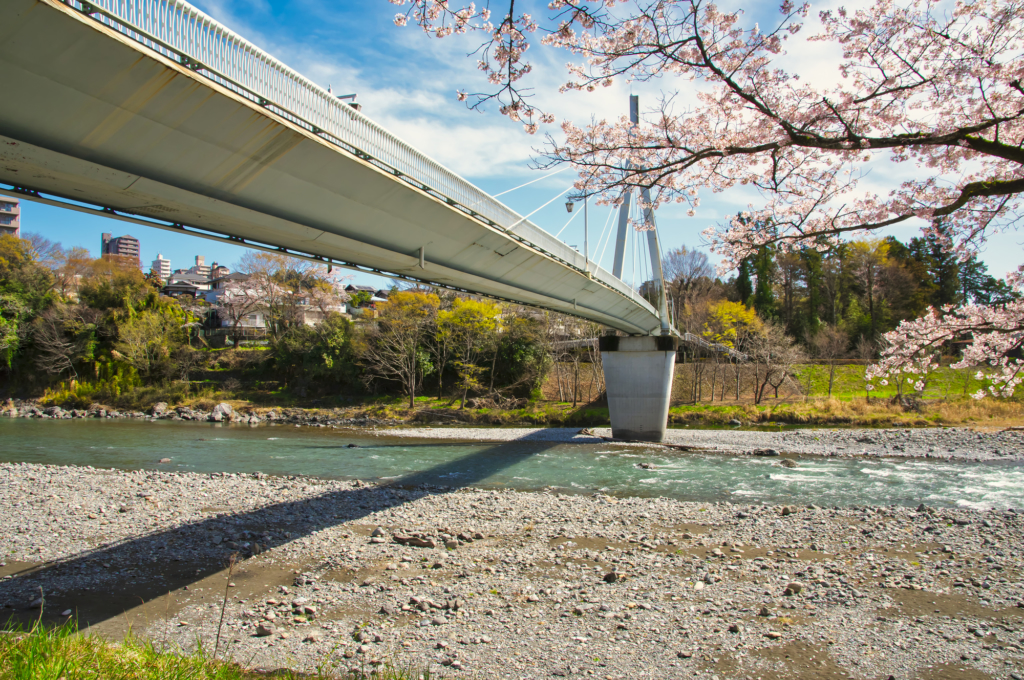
x=153, y=111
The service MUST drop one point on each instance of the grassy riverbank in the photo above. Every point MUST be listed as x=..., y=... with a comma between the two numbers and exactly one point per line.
x=63, y=652
x=804, y=400
x=859, y=412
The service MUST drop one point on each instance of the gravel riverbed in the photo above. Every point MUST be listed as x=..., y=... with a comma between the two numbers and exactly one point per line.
x=506, y=584
x=955, y=443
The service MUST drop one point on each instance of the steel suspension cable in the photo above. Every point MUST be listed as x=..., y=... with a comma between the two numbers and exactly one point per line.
x=550, y=174
x=607, y=222
x=574, y=216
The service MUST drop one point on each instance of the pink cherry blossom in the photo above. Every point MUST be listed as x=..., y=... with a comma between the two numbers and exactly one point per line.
x=936, y=88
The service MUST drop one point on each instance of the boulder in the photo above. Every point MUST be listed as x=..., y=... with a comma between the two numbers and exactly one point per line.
x=159, y=408
x=415, y=541
x=221, y=411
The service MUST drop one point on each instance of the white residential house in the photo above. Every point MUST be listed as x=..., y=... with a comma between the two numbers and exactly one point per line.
x=221, y=284
x=202, y=283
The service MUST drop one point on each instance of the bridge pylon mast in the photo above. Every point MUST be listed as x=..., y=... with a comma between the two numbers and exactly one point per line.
x=653, y=243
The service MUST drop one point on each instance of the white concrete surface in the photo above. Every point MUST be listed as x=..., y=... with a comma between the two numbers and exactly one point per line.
x=638, y=378
x=102, y=119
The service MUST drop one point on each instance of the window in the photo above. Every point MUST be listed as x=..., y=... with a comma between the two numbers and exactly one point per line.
x=7, y=207
x=6, y=220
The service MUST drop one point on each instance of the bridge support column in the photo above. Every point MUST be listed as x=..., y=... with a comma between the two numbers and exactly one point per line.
x=638, y=374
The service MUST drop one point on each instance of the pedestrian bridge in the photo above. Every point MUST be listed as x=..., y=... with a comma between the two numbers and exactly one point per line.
x=151, y=112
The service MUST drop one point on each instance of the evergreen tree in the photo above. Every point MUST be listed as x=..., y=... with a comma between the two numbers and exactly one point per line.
x=973, y=279
x=764, y=293
x=943, y=266
x=744, y=285
x=812, y=264
x=918, y=288
x=996, y=292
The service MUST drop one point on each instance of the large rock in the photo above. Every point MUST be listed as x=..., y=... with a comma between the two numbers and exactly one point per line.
x=415, y=541
x=159, y=408
x=221, y=412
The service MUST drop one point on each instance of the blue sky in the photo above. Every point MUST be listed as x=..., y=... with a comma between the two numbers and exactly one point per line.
x=407, y=81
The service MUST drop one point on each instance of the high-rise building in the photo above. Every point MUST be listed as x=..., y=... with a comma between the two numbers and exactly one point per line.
x=10, y=216
x=161, y=267
x=200, y=267
x=123, y=246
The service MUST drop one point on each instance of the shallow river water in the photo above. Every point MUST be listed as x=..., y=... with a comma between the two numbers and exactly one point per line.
x=571, y=468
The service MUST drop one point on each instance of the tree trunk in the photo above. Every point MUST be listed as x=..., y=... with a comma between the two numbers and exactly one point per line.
x=494, y=362
x=575, y=380
x=700, y=383
x=714, y=379
x=440, y=381
x=693, y=390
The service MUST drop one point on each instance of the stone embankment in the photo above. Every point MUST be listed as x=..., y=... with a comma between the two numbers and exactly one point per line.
x=516, y=585
x=221, y=413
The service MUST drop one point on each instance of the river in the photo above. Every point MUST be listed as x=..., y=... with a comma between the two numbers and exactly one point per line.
x=569, y=468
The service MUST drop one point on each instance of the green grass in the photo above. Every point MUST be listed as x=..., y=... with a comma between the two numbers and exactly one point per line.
x=944, y=383
x=62, y=652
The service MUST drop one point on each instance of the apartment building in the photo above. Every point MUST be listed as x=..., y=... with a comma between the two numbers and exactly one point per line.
x=162, y=267
x=122, y=246
x=10, y=216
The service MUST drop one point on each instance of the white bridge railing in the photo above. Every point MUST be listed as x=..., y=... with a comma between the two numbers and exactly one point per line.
x=184, y=34
x=686, y=338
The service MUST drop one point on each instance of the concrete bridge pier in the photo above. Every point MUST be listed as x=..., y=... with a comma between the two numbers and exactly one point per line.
x=638, y=374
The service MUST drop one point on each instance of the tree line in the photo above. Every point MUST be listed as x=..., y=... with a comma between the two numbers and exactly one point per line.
x=826, y=305
x=99, y=328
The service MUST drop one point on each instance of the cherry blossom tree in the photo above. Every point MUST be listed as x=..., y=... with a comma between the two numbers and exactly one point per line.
x=237, y=301
x=934, y=89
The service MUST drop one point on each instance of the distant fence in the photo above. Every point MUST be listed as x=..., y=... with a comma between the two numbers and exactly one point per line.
x=686, y=338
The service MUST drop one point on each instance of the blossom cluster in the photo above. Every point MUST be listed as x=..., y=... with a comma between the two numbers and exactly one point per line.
x=937, y=88
x=989, y=335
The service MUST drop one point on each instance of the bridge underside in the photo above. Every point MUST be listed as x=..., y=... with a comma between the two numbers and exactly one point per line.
x=92, y=116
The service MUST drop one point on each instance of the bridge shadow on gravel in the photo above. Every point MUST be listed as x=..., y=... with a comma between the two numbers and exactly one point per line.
x=104, y=585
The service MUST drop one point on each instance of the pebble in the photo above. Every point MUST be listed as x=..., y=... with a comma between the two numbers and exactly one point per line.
x=695, y=571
